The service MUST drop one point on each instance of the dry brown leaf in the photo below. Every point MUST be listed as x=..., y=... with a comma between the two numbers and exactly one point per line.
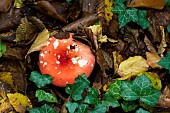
x=155, y=4
x=152, y=59
x=164, y=100
x=19, y=102
x=163, y=44
x=117, y=59
x=149, y=45
x=39, y=42
x=132, y=66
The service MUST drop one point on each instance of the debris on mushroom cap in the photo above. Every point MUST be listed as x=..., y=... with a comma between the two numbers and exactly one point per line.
x=65, y=59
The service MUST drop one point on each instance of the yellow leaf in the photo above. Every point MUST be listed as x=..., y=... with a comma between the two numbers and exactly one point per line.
x=163, y=44
x=5, y=106
x=7, y=78
x=39, y=42
x=117, y=59
x=132, y=66
x=152, y=59
x=19, y=102
x=154, y=78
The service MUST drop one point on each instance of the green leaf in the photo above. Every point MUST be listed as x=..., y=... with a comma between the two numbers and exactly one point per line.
x=71, y=106
x=92, y=97
x=115, y=90
x=82, y=108
x=40, y=80
x=76, y=89
x=109, y=100
x=142, y=21
x=125, y=16
x=128, y=106
x=42, y=95
x=168, y=28
x=118, y=1
x=165, y=62
x=68, y=1
x=99, y=108
x=140, y=110
x=141, y=88
x=43, y=109
x=167, y=3
x=2, y=48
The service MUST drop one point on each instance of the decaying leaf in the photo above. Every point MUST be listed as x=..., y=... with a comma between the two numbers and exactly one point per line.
x=164, y=100
x=152, y=59
x=154, y=78
x=7, y=78
x=149, y=45
x=163, y=44
x=155, y=4
x=5, y=5
x=18, y=3
x=25, y=30
x=19, y=102
x=105, y=10
x=39, y=42
x=132, y=66
x=117, y=59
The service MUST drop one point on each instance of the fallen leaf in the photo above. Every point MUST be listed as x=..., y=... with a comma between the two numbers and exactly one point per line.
x=154, y=78
x=164, y=100
x=19, y=102
x=163, y=44
x=155, y=4
x=152, y=59
x=39, y=42
x=117, y=59
x=149, y=45
x=132, y=66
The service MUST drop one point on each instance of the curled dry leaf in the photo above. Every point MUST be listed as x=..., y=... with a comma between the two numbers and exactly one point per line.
x=155, y=4
x=149, y=45
x=164, y=100
x=152, y=59
x=117, y=59
x=163, y=44
x=132, y=66
x=85, y=21
x=39, y=42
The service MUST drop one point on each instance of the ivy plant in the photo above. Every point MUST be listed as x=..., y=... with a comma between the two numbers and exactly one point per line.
x=131, y=14
x=2, y=48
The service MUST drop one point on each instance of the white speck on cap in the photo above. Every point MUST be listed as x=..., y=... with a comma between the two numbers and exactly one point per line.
x=74, y=60
x=42, y=54
x=76, y=49
x=57, y=62
x=64, y=41
x=82, y=62
x=59, y=72
x=45, y=52
x=55, y=67
x=58, y=56
x=45, y=63
x=48, y=43
x=55, y=54
x=50, y=38
x=56, y=43
x=41, y=61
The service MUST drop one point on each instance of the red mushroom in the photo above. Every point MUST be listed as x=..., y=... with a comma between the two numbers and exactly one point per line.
x=65, y=59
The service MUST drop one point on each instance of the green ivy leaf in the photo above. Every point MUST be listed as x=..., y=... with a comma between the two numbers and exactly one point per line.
x=125, y=16
x=141, y=88
x=43, y=109
x=165, y=62
x=118, y=1
x=68, y=1
x=142, y=21
x=82, y=108
x=115, y=90
x=140, y=110
x=167, y=3
x=128, y=106
x=2, y=48
x=71, y=106
x=40, y=80
x=76, y=89
x=168, y=28
x=99, y=108
x=109, y=100
x=92, y=97
x=42, y=95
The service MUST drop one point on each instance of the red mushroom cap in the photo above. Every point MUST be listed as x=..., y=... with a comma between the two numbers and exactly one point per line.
x=65, y=59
